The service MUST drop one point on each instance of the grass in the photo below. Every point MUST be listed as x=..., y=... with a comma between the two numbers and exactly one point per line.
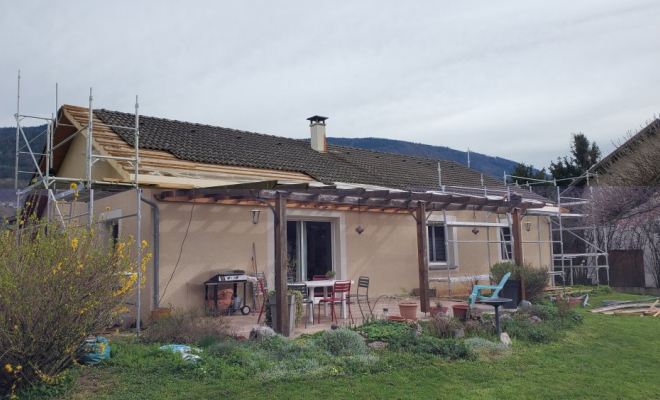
x=606, y=357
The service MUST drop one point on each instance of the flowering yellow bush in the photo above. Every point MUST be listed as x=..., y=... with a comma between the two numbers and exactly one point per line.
x=56, y=287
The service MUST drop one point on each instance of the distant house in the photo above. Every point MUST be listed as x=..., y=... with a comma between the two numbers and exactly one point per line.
x=630, y=175
x=188, y=170
x=635, y=162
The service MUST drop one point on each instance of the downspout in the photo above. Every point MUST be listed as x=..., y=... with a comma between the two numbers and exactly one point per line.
x=156, y=218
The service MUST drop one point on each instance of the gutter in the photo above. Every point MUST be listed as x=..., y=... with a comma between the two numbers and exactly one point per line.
x=156, y=218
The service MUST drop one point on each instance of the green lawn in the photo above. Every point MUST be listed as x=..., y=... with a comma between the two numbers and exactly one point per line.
x=606, y=357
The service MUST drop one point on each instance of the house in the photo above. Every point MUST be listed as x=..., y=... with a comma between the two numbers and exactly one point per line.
x=628, y=180
x=203, y=182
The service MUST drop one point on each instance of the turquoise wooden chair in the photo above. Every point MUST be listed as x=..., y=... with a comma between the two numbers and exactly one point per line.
x=496, y=290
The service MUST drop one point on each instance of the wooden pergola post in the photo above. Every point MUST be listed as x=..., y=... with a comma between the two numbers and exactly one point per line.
x=423, y=257
x=517, y=245
x=281, y=309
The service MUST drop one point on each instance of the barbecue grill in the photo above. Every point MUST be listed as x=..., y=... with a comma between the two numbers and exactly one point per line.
x=232, y=277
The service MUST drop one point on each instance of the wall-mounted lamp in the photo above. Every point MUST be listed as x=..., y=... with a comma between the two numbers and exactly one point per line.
x=255, y=216
x=475, y=230
x=528, y=226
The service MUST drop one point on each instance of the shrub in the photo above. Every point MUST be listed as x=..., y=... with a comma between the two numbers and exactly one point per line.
x=187, y=327
x=500, y=269
x=487, y=348
x=57, y=285
x=443, y=327
x=479, y=328
x=429, y=345
x=536, y=279
x=383, y=330
x=343, y=342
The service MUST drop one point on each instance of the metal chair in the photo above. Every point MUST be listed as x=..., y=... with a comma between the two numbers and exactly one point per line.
x=363, y=282
x=302, y=288
x=340, y=288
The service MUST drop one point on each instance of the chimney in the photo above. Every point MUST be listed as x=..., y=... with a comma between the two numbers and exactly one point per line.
x=317, y=127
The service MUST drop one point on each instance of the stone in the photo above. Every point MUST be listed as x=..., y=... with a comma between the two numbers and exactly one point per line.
x=377, y=345
x=260, y=332
x=525, y=304
x=459, y=333
x=504, y=338
x=534, y=319
x=506, y=317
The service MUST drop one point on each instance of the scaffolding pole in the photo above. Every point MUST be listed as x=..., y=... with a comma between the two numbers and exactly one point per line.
x=50, y=183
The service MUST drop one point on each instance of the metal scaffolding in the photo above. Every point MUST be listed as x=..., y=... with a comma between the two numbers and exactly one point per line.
x=62, y=191
x=575, y=224
x=582, y=231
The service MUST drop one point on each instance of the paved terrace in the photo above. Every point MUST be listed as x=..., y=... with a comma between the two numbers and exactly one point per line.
x=242, y=324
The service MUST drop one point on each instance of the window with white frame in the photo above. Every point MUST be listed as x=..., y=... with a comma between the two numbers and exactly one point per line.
x=437, y=243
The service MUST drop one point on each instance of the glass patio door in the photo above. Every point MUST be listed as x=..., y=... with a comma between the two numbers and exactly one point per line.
x=309, y=248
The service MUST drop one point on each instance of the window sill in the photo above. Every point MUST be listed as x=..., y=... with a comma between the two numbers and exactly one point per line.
x=441, y=267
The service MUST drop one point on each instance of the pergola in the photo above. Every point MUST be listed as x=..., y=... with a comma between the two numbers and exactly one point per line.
x=417, y=204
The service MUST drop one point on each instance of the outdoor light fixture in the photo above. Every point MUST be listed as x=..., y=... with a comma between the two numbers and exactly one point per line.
x=528, y=226
x=359, y=228
x=255, y=216
x=475, y=230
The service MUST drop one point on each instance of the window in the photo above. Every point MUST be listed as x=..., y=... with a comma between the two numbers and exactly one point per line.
x=505, y=234
x=437, y=243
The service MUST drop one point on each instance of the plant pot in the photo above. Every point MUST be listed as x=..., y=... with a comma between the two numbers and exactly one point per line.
x=460, y=311
x=396, y=318
x=291, y=302
x=408, y=310
x=511, y=290
x=435, y=311
x=160, y=313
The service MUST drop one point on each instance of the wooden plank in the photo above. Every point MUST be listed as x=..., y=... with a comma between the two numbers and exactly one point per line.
x=619, y=307
x=423, y=257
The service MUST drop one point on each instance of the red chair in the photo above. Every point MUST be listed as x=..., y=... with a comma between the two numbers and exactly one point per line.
x=340, y=289
x=261, y=286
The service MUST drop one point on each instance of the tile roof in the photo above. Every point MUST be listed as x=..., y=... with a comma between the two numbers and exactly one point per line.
x=210, y=144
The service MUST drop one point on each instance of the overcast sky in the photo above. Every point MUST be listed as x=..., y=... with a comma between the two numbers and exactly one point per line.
x=506, y=78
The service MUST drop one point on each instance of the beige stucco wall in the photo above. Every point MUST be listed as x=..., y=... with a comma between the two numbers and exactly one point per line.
x=221, y=237
x=74, y=164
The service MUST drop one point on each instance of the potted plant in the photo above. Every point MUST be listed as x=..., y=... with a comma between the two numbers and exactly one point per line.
x=438, y=309
x=292, y=305
x=407, y=306
x=160, y=313
x=330, y=274
x=511, y=289
x=460, y=311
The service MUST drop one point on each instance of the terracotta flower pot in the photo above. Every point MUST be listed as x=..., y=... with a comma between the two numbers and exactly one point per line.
x=435, y=311
x=159, y=313
x=408, y=310
x=396, y=318
x=460, y=311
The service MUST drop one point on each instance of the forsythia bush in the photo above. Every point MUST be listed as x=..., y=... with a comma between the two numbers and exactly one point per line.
x=57, y=285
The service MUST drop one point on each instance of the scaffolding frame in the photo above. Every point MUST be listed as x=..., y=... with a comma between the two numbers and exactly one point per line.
x=562, y=261
x=56, y=198
x=593, y=253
